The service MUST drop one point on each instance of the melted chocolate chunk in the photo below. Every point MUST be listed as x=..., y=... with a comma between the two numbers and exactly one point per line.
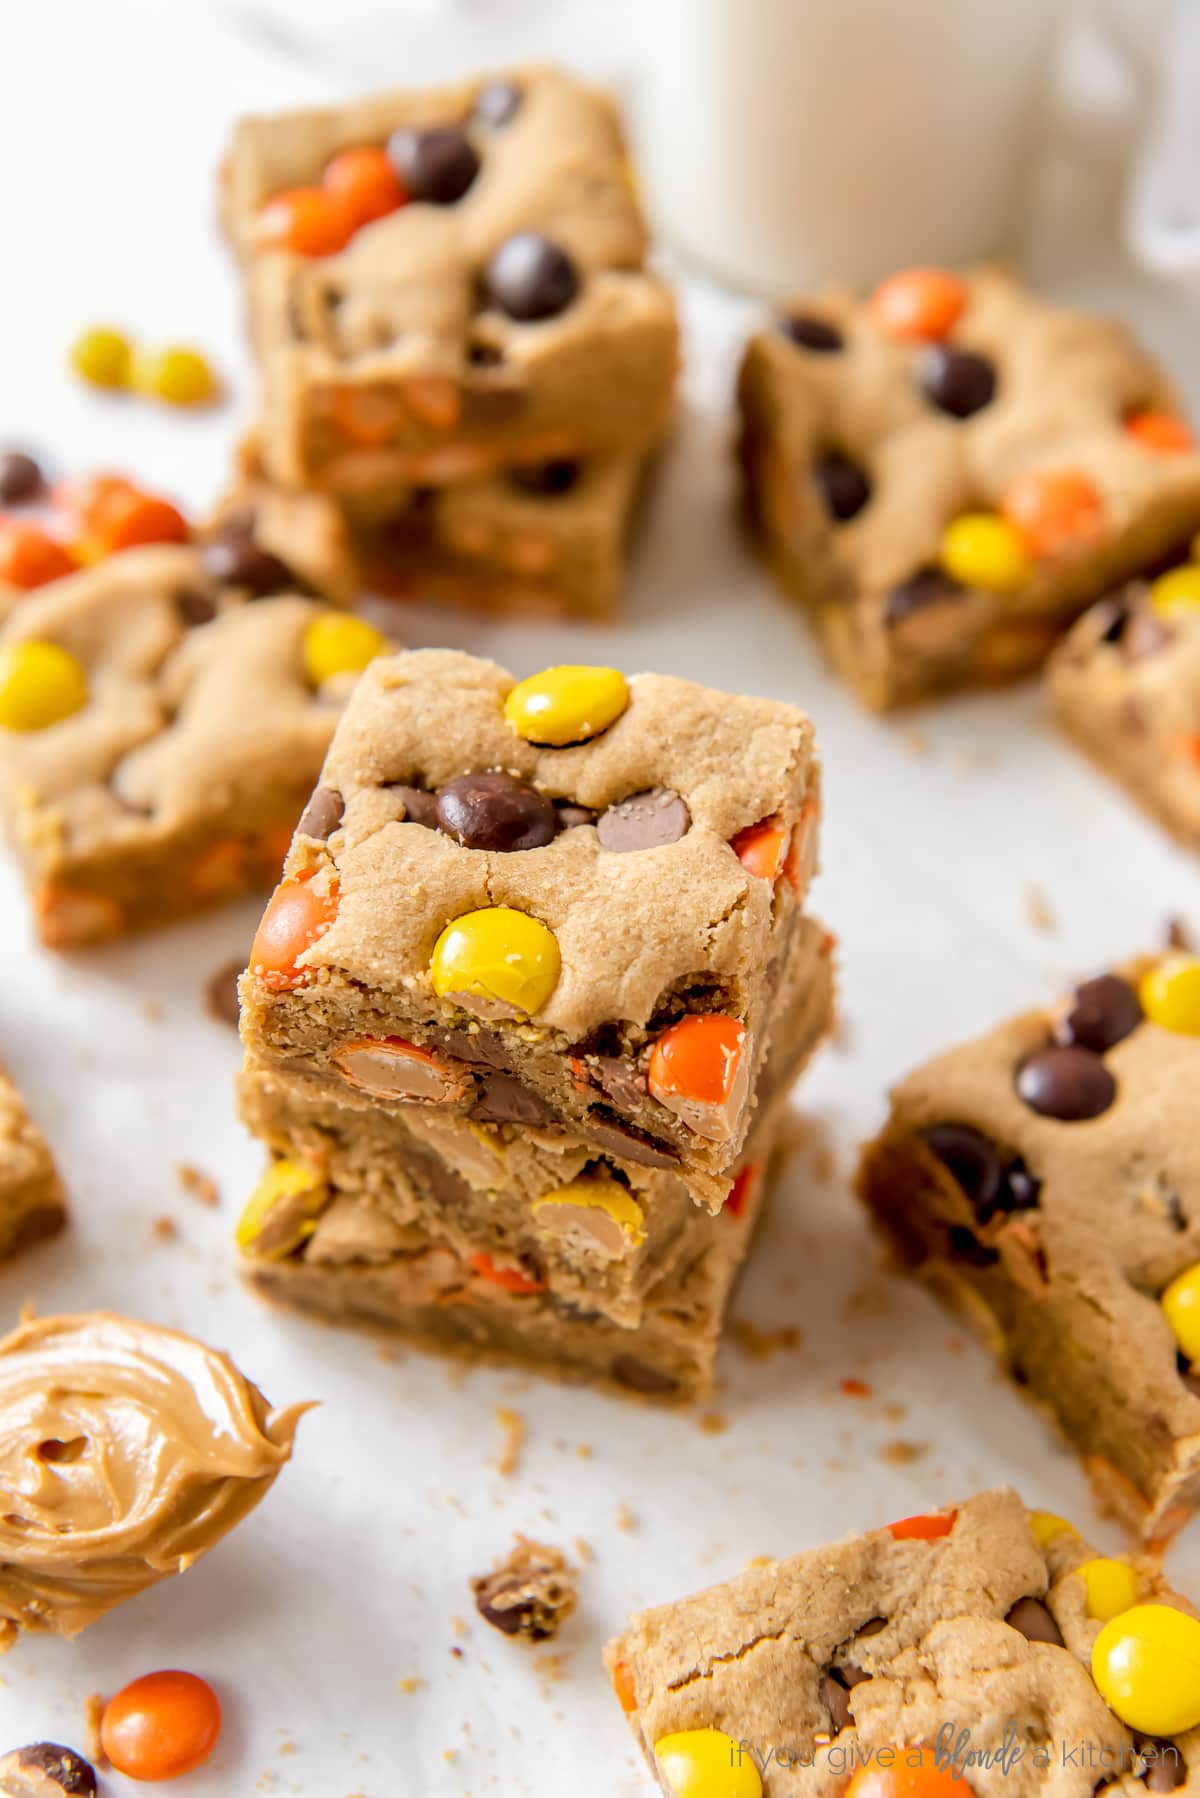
x=627, y=1143
x=1066, y=1083
x=989, y=1182
x=322, y=815
x=503, y=1099
x=1035, y=1622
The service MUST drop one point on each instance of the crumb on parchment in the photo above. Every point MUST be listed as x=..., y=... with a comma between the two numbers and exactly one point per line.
x=513, y=1431
x=197, y=1184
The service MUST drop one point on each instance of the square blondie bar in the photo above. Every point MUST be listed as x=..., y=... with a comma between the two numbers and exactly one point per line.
x=161, y=725
x=585, y=883
x=949, y=473
x=486, y=304
x=32, y=1205
x=1046, y=1180
x=981, y=1649
x=1125, y=686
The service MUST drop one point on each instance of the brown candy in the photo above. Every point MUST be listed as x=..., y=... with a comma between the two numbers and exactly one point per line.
x=1104, y=1011
x=649, y=820
x=495, y=812
x=21, y=478
x=1035, y=1621
x=322, y=815
x=221, y=993
x=1066, y=1083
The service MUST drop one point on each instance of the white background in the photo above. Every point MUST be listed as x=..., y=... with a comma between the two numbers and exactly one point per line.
x=347, y=1580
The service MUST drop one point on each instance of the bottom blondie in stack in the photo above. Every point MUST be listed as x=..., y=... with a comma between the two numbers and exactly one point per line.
x=522, y=1018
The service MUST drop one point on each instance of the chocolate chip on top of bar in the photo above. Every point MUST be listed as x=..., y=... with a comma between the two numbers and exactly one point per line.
x=579, y=879
x=1046, y=1178
x=950, y=470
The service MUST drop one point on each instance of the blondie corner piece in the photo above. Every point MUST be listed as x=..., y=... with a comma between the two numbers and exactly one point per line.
x=446, y=283
x=32, y=1205
x=579, y=882
x=96, y=1512
x=1125, y=687
x=163, y=716
x=982, y=1650
x=948, y=473
x=1046, y=1180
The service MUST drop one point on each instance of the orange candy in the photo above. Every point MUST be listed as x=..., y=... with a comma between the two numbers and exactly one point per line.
x=915, y=1773
x=509, y=1279
x=161, y=1726
x=363, y=415
x=1161, y=431
x=123, y=517
x=622, y=1681
x=364, y=183
x=30, y=557
x=697, y=1058
x=742, y=1188
x=309, y=221
x=919, y=304
x=296, y=915
x=1053, y=509
x=923, y=1528
x=760, y=848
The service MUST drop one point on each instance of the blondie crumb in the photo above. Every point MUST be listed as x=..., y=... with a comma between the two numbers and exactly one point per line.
x=531, y=1593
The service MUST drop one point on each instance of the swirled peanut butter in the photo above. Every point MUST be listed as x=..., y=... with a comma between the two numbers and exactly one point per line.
x=126, y=1452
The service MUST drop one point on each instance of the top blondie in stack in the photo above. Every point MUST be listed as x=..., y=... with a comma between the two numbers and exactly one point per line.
x=456, y=332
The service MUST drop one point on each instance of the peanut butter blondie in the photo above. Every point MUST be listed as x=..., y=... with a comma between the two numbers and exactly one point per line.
x=445, y=283
x=948, y=473
x=980, y=1649
x=1045, y=1179
x=32, y=1205
x=585, y=883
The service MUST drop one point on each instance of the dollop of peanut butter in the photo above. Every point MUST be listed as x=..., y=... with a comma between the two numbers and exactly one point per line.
x=126, y=1452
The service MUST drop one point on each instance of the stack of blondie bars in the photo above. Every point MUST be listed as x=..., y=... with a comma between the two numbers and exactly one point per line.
x=457, y=336
x=521, y=1018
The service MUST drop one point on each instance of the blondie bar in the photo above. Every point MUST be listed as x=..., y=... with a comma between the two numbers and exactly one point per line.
x=32, y=1205
x=1125, y=686
x=948, y=473
x=444, y=283
x=126, y=1452
x=1046, y=1179
x=161, y=724
x=982, y=1650
x=581, y=882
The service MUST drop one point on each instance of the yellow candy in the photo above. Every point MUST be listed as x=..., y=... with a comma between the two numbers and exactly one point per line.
x=1146, y=1664
x=706, y=1763
x=180, y=376
x=1177, y=591
x=1170, y=994
x=606, y=1199
x=498, y=962
x=1181, y=1307
x=101, y=357
x=981, y=549
x=1111, y=1587
x=40, y=685
x=282, y=1211
x=339, y=643
x=567, y=704
x=1046, y=1526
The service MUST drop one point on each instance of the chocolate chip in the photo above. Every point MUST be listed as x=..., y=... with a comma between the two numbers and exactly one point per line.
x=1144, y=635
x=21, y=478
x=625, y=1142
x=46, y=1770
x=546, y=479
x=649, y=820
x=1104, y=1011
x=842, y=485
x=1066, y=1083
x=928, y=587
x=503, y=1099
x=482, y=1048
x=420, y=807
x=810, y=333
x=530, y=277
x=221, y=992
x=837, y=1702
x=628, y=1371
x=437, y=165
x=194, y=607
x=570, y=815
x=956, y=381
x=496, y=103
x=322, y=815
x=973, y=1162
x=965, y=1246
x=496, y=812
x=1035, y=1621
x=235, y=560
x=620, y=1077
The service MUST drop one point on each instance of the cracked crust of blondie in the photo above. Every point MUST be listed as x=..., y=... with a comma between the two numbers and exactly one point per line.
x=1056, y=1236
x=382, y=362
x=1065, y=383
x=813, y=1665
x=643, y=939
